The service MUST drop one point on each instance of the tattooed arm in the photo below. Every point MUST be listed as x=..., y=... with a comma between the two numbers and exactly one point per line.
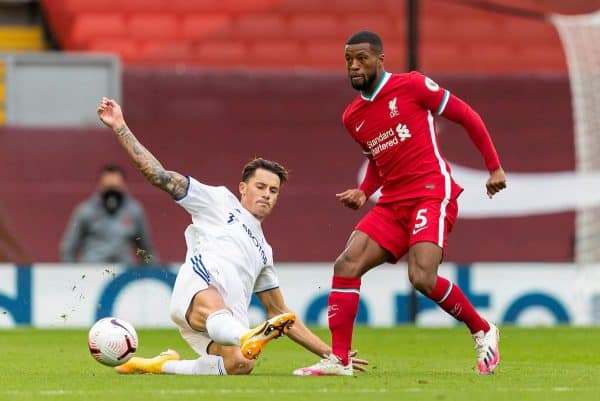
x=111, y=115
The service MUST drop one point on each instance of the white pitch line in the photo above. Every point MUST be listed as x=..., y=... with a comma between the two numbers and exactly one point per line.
x=270, y=391
x=196, y=391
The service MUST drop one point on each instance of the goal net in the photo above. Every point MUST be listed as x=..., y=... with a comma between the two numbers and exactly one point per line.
x=580, y=36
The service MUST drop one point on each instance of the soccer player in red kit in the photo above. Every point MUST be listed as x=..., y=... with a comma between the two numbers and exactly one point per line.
x=393, y=121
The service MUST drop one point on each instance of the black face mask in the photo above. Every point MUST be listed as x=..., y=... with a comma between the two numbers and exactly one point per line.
x=112, y=200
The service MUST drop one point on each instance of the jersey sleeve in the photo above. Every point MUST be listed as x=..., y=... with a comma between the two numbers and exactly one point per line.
x=266, y=280
x=372, y=180
x=461, y=113
x=200, y=197
x=428, y=93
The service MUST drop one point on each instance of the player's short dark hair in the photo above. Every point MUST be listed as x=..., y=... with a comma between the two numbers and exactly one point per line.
x=366, y=37
x=111, y=168
x=268, y=165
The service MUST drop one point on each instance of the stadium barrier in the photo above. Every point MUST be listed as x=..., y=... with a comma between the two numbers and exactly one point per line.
x=46, y=89
x=56, y=296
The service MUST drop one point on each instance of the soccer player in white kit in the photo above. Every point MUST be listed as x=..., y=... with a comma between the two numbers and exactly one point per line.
x=227, y=260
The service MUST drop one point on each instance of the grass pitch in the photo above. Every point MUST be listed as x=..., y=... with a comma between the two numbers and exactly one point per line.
x=407, y=363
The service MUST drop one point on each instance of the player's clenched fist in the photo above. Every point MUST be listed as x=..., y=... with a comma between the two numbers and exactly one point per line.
x=496, y=182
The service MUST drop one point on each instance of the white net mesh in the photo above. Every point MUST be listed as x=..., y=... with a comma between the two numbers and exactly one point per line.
x=580, y=36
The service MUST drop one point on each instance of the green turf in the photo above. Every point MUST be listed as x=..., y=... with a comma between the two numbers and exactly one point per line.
x=407, y=363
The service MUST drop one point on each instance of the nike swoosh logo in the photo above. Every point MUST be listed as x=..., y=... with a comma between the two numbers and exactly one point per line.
x=359, y=126
x=528, y=194
x=116, y=323
x=417, y=230
x=332, y=315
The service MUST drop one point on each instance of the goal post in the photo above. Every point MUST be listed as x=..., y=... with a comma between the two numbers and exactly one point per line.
x=580, y=36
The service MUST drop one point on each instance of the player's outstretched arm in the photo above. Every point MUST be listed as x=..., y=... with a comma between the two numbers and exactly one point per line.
x=111, y=115
x=461, y=113
x=274, y=305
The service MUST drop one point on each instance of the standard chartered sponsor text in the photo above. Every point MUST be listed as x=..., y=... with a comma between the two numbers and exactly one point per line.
x=383, y=141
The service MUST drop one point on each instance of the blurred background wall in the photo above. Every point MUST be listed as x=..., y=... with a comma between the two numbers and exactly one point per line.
x=208, y=85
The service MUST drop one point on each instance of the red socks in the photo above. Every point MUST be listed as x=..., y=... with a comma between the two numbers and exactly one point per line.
x=342, y=308
x=451, y=299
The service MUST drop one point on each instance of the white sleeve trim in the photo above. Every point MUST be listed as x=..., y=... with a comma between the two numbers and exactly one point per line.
x=443, y=103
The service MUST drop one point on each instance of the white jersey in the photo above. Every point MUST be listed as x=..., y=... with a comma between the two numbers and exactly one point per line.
x=226, y=247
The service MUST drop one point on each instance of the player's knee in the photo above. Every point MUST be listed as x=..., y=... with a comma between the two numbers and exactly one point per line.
x=421, y=279
x=238, y=365
x=196, y=319
x=347, y=266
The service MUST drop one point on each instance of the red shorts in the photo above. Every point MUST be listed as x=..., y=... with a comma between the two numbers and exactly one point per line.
x=398, y=226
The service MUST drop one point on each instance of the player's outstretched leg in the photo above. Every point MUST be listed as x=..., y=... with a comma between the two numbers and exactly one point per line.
x=148, y=365
x=330, y=366
x=253, y=342
x=486, y=346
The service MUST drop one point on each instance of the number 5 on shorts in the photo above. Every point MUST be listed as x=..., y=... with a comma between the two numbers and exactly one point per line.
x=421, y=220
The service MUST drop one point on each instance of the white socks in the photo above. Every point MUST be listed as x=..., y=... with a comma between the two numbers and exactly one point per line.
x=205, y=365
x=223, y=329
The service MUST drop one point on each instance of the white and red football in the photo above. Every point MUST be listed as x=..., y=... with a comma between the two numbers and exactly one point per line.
x=112, y=341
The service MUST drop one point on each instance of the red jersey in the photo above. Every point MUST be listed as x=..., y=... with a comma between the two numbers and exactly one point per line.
x=395, y=128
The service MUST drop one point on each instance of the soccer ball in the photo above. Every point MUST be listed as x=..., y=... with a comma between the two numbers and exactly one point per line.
x=112, y=341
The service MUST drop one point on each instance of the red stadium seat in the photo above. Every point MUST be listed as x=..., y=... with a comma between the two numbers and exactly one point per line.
x=165, y=53
x=395, y=55
x=488, y=30
x=197, y=26
x=84, y=6
x=380, y=23
x=228, y=6
x=434, y=52
x=547, y=56
x=396, y=8
x=260, y=26
x=484, y=39
x=197, y=6
x=245, y=6
x=219, y=53
x=127, y=49
x=492, y=57
x=153, y=26
x=535, y=32
x=145, y=6
x=320, y=7
x=328, y=54
x=88, y=27
x=275, y=53
x=310, y=26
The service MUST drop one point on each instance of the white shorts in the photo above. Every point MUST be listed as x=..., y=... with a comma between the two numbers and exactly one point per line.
x=194, y=277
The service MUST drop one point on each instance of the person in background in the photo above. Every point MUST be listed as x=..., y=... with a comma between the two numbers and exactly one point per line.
x=109, y=227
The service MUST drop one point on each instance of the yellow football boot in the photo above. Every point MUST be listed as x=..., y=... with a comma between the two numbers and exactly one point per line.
x=148, y=365
x=253, y=342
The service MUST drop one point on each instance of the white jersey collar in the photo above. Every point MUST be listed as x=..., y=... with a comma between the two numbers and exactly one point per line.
x=253, y=218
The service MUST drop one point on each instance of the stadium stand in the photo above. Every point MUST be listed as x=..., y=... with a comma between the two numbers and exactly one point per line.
x=307, y=33
x=20, y=31
x=20, y=26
